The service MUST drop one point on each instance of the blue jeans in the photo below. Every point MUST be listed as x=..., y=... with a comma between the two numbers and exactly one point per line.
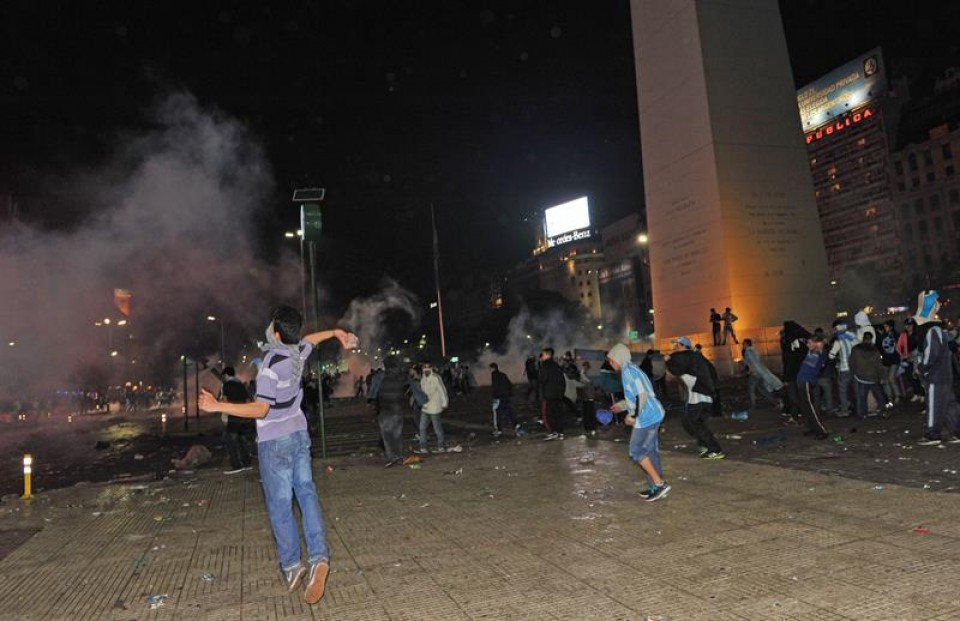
x=285, y=471
x=425, y=420
x=843, y=387
x=645, y=442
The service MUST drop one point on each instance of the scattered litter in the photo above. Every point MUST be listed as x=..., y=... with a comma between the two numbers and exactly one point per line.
x=733, y=436
x=456, y=472
x=926, y=486
x=741, y=415
x=877, y=431
x=425, y=505
x=96, y=514
x=920, y=530
x=162, y=546
x=328, y=469
x=950, y=471
x=780, y=437
x=455, y=449
x=679, y=446
x=589, y=458
x=400, y=496
x=837, y=438
x=412, y=459
x=582, y=471
x=197, y=455
x=138, y=457
x=588, y=516
x=618, y=439
x=156, y=601
x=208, y=577
x=186, y=504
x=499, y=467
x=940, y=446
x=472, y=436
x=878, y=487
x=414, y=466
x=158, y=518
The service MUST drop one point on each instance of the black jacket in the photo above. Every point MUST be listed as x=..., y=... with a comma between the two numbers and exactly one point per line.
x=500, y=384
x=792, y=350
x=392, y=397
x=689, y=362
x=553, y=383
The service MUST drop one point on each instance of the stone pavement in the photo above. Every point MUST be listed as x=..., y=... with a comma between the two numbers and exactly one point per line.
x=521, y=530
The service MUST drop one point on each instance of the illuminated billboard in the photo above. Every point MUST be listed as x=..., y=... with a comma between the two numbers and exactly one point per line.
x=844, y=89
x=570, y=219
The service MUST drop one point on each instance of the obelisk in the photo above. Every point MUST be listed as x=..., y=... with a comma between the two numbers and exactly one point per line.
x=730, y=207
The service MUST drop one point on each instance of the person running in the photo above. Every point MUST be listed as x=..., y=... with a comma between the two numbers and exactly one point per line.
x=694, y=371
x=283, y=445
x=644, y=414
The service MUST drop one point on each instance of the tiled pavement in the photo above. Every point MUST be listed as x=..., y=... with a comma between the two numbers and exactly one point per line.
x=529, y=530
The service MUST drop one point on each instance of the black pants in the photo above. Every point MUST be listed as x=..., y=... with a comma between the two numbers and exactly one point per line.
x=810, y=408
x=716, y=334
x=238, y=448
x=503, y=416
x=695, y=423
x=553, y=409
x=862, y=391
x=589, y=413
x=942, y=409
x=391, y=432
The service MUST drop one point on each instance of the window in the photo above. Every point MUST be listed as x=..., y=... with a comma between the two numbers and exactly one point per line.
x=908, y=231
x=930, y=176
x=934, y=202
x=918, y=206
x=954, y=196
x=922, y=225
x=948, y=170
x=912, y=162
x=927, y=158
x=946, y=151
x=956, y=220
x=898, y=167
x=901, y=187
x=914, y=183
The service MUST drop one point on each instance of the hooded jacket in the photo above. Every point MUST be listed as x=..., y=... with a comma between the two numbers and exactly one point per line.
x=862, y=319
x=866, y=365
x=792, y=349
x=500, y=385
x=689, y=362
x=553, y=383
x=935, y=364
x=436, y=392
x=841, y=349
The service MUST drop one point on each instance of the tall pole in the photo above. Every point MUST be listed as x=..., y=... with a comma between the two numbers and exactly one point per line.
x=436, y=277
x=303, y=278
x=196, y=385
x=223, y=354
x=316, y=322
x=186, y=397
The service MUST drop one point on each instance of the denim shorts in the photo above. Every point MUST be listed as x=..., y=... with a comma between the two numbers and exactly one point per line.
x=645, y=442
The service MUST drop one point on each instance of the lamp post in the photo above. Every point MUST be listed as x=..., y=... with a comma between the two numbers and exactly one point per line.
x=310, y=227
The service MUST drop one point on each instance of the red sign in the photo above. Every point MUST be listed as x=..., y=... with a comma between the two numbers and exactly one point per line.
x=839, y=126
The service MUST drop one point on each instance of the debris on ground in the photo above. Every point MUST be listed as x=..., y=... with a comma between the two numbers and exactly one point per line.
x=920, y=530
x=455, y=449
x=412, y=459
x=741, y=415
x=156, y=601
x=328, y=469
x=208, y=577
x=456, y=472
x=197, y=455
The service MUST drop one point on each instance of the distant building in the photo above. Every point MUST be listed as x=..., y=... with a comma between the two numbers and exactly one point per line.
x=625, y=278
x=849, y=119
x=927, y=194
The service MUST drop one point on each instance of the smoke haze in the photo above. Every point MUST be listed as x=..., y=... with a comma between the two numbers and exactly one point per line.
x=172, y=221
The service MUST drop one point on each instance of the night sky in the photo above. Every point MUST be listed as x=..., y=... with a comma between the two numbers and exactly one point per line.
x=489, y=110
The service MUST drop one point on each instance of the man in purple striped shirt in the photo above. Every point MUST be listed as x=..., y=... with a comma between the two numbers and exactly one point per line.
x=283, y=446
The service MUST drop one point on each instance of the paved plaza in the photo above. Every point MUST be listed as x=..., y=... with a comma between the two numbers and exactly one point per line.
x=518, y=530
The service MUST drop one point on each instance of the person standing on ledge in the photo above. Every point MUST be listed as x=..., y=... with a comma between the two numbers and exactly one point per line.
x=715, y=320
x=283, y=445
x=728, y=319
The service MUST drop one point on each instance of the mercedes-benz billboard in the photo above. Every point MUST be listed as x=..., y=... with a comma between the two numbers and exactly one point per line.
x=567, y=222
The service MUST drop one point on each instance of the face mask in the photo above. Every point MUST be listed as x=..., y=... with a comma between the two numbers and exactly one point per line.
x=427, y=372
x=271, y=336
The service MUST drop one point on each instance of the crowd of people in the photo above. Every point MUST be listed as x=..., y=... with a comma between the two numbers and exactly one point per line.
x=835, y=375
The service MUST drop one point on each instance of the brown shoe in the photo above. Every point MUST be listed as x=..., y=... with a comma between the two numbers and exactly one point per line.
x=316, y=582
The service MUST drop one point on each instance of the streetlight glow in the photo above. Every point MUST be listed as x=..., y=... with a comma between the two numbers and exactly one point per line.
x=113, y=354
x=289, y=235
x=106, y=321
x=642, y=238
x=122, y=322
x=12, y=343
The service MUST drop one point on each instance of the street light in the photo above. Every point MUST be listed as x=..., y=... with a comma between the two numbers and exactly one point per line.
x=642, y=238
x=223, y=361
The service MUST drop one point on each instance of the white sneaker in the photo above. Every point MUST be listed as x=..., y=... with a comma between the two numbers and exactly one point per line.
x=234, y=471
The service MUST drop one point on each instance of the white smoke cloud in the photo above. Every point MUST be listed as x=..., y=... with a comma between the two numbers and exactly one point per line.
x=172, y=219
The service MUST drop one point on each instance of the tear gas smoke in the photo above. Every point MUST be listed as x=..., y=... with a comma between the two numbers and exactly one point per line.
x=171, y=219
x=368, y=318
x=527, y=335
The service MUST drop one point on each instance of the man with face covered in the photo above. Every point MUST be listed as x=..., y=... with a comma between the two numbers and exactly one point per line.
x=437, y=402
x=283, y=445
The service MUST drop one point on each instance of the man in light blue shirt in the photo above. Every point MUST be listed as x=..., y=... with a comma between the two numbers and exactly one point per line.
x=644, y=414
